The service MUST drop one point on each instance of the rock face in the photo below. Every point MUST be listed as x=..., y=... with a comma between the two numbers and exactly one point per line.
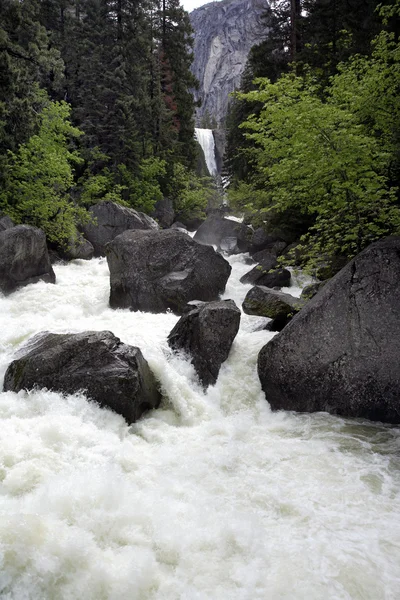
x=24, y=258
x=112, y=373
x=224, y=33
x=227, y=234
x=158, y=270
x=341, y=352
x=207, y=333
x=111, y=220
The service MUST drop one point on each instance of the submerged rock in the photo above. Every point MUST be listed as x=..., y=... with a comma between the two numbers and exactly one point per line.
x=24, y=258
x=155, y=271
x=112, y=373
x=207, y=333
x=340, y=354
x=112, y=219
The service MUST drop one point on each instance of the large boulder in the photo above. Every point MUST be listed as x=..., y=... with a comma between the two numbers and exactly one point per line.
x=256, y=273
x=261, y=239
x=24, y=258
x=111, y=219
x=265, y=302
x=224, y=233
x=111, y=373
x=267, y=275
x=78, y=247
x=274, y=249
x=207, y=333
x=155, y=271
x=340, y=354
x=164, y=212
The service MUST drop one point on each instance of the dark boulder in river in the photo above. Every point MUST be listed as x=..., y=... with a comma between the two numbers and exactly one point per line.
x=164, y=212
x=111, y=219
x=225, y=233
x=112, y=373
x=207, y=333
x=265, y=302
x=341, y=353
x=77, y=248
x=24, y=258
x=154, y=271
x=267, y=275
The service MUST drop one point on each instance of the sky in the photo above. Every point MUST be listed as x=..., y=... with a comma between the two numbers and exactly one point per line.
x=189, y=5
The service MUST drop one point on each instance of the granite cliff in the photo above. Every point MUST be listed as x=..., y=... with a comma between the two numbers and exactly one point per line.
x=224, y=33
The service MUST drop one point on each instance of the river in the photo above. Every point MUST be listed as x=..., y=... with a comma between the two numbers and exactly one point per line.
x=210, y=497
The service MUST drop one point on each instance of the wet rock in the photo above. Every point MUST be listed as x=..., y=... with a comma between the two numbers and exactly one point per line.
x=190, y=223
x=252, y=276
x=77, y=248
x=312, y=290
x=164, y=212
x=215, y=229
x=5, y=222
x=112, y=219
x=178, y=225
x=340, y=353
x=24, y=258
x=265, y=302
x=155, y=271
x=277, y=278
x=111, y=373
x=267, y=274
x=207, y=333
x=273, y=249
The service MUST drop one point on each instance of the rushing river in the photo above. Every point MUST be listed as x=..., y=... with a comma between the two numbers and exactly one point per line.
x=211, y=497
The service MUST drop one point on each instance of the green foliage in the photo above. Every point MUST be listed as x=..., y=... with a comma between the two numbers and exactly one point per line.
x=144, y=190
x=39, y=177
x=190, y=194
x=317, y=158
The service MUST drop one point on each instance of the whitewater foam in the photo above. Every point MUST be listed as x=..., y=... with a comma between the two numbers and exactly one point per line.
x=210, y=497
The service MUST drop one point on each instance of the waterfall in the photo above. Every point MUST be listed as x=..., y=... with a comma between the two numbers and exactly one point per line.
x=205, y=138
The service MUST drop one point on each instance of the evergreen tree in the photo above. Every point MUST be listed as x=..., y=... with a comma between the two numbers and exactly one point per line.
x=26, y=62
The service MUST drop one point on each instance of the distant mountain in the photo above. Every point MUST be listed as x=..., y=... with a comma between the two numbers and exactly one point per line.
x=224, y=33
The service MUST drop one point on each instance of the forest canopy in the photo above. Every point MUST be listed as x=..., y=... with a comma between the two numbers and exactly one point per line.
x=95, y=104
x=319, y=141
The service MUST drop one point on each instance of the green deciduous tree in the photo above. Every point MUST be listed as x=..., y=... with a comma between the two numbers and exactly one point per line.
x=39, y=177
x=317, y=158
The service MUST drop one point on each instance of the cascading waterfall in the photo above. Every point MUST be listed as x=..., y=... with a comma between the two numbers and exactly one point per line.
x=212, y=496
x=205, y=138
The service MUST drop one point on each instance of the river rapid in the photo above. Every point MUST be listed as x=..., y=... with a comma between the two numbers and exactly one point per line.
x=210, y=497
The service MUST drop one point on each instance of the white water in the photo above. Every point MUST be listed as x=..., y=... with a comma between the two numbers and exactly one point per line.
x=205, y=138
x=211, y=497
